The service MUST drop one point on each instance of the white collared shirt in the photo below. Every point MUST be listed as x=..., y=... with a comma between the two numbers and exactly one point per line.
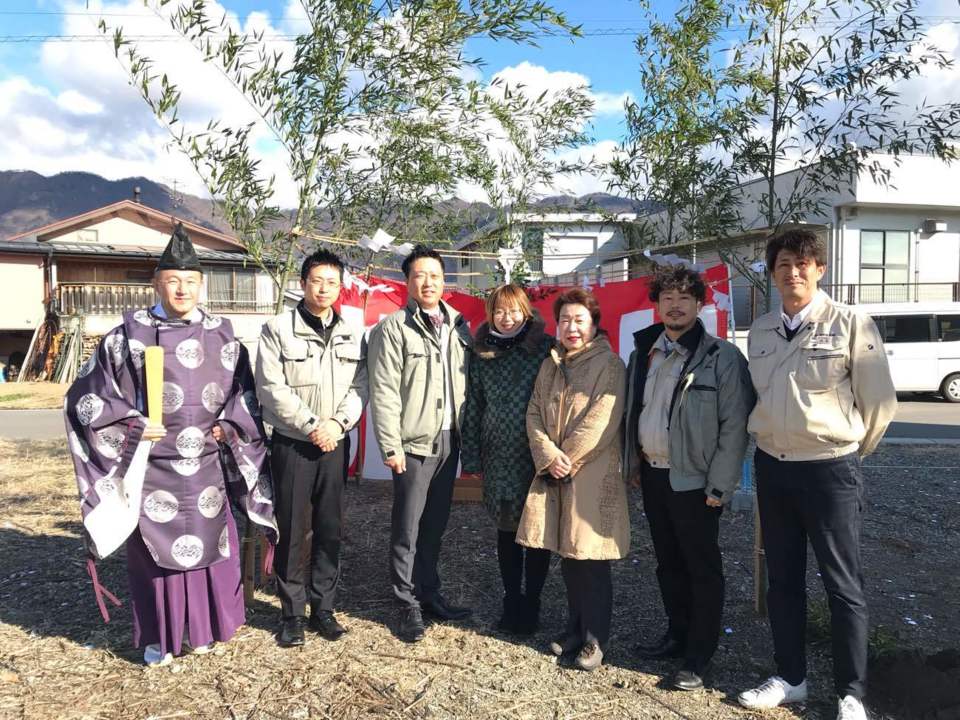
x=795, y=322
x=194, y=316
x=664, y=364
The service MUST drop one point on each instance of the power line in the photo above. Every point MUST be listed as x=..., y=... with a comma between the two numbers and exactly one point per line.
x=583, y=33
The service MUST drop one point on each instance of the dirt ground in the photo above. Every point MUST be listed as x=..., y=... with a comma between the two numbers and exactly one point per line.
x=32, y=396
x=58, y=660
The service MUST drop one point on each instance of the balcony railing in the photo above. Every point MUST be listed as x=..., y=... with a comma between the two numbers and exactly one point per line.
x=87, y=298
x=238, y=305
x=103, y=298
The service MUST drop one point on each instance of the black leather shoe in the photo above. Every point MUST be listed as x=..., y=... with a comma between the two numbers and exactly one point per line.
x=438, y=609
x=324, y=623
x=411, y=628
x=666, y=647
x=687, y=680
x=291, y=631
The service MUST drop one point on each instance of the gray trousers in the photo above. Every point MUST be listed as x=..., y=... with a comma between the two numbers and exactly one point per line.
x=421, y=507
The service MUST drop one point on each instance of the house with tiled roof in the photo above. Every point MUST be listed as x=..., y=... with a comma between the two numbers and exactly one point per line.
x=92, y=267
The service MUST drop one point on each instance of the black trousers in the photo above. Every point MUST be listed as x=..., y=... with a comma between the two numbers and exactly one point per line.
x=589, y=599
x=421, y=507
x=685, y=534
x=308, y=502
x=823, y=501
x=517, y=561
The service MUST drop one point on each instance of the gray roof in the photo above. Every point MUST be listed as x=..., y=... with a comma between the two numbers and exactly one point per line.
x=32, y=247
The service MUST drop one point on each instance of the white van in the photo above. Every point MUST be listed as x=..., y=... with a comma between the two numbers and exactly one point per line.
x=922, y=340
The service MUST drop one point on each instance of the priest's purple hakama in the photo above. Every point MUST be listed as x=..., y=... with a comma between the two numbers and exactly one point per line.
x=168, y=500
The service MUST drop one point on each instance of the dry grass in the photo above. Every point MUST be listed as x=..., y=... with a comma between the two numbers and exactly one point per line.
x=58, y=660
x=32, y=396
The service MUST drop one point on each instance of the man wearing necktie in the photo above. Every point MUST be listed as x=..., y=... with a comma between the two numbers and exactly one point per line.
x=824, y=400
x=417, y=363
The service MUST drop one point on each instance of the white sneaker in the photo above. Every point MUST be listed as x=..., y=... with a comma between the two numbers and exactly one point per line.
x=850, y=708
x=201, y=650
x=773, y=692
x=153, y=658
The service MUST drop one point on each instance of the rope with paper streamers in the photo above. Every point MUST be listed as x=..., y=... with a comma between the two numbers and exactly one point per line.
x=383, y=241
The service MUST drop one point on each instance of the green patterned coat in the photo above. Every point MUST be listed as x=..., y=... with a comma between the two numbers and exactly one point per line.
x=494, y=435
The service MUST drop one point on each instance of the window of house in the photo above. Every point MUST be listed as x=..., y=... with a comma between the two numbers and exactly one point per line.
x=532, y=245
x=464, y=262
x=87, y=235
x=884, y=265
x=905, y=328
x=231, y=289
x=949, y=328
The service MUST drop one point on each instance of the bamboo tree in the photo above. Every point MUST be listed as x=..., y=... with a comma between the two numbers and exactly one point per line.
x=371, y=107
x=685, y=108
x=741, y=91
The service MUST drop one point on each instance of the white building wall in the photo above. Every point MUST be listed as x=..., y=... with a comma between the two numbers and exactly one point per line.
x=572, y=247
x=120, y=232
x=21, y=277
x=933, y=257
x=117, y=231
x=914, y=180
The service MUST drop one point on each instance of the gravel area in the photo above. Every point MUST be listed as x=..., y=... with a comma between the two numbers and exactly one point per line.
x=57, y=659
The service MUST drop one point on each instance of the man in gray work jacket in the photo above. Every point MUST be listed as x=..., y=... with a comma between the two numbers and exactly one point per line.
x=418, y=368
x=312, y=384
x=688, y=399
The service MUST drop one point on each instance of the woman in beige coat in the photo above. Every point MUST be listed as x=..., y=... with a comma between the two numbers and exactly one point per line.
x=577, y=505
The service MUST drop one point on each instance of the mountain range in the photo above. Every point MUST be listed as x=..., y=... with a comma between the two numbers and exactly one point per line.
x=29, y=200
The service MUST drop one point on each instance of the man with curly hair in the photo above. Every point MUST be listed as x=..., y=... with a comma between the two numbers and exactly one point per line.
x=688, y=399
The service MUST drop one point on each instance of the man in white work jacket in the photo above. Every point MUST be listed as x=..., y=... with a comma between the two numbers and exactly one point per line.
x=824, y=400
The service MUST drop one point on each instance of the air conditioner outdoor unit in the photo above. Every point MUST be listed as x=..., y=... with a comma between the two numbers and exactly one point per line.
x=931, y=226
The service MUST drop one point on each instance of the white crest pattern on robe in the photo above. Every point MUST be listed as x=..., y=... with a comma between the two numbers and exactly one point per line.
x=172, y=397
x=89, y=408
x=161, y=506
x=213, y=397
x=229, y=354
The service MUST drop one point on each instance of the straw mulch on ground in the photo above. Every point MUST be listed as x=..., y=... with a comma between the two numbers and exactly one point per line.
x=58, y=660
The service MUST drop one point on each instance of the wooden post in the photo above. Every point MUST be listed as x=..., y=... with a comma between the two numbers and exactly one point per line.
x=759, y=564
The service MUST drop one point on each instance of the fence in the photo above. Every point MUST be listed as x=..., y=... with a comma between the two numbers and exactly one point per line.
x=117, y=298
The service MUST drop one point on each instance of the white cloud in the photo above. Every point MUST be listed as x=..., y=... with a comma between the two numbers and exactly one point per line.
x=599, y=154
x=605, y=103
x=77, y=103
x=536, y=79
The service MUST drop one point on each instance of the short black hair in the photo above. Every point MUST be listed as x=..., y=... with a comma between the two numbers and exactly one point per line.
x=679, y=278
x=801, y=242
x=418, y=253
x=320, y=257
